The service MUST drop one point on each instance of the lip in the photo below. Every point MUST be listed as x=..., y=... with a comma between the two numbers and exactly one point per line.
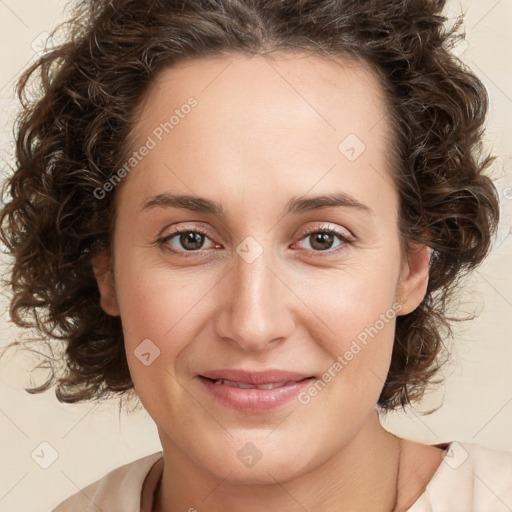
x=254, y=400
x=260, y=377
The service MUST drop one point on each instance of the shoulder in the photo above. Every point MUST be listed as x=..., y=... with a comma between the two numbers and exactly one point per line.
x=118, y=490
x=471, y=477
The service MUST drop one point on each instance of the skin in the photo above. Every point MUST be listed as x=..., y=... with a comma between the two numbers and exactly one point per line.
x=266, y=130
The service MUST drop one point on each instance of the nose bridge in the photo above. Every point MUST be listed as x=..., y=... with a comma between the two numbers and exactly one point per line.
x=254, y=310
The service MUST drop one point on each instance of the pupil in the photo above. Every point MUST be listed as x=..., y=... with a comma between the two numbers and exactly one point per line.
x=320, y=239
x=194, y=239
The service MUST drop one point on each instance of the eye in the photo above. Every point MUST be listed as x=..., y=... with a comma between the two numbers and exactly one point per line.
x=185, y=240
x=322, y=239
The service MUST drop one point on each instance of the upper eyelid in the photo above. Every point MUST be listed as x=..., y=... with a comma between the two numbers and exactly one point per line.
x=309, y=231
x=177, y=231
x=325, y=227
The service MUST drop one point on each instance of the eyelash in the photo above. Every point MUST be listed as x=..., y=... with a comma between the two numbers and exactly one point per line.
x=163, y=241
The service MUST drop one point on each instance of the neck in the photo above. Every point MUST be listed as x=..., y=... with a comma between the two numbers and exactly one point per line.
x=360, y=476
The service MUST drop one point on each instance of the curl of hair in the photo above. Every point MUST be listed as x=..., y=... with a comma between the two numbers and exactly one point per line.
x=74, y=134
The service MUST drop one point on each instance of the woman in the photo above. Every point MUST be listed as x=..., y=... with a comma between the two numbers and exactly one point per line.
x=251, y=215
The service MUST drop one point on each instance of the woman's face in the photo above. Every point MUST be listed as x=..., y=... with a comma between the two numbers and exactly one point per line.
x=265, y=278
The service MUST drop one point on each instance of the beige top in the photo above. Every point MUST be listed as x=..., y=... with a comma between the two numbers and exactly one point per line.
x=471, y=478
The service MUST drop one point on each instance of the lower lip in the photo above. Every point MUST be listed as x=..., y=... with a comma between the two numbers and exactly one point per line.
x=255, y=400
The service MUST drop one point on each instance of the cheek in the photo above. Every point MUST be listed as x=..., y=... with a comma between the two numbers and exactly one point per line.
x=359, y=345
x=162, y=306
x=358, y=312
x=353, y=302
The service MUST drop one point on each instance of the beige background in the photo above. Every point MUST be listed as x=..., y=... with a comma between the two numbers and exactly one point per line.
x=89, y=440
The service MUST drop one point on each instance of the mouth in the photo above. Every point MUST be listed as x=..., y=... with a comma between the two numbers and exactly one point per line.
x=244, y=385
x=252, y=392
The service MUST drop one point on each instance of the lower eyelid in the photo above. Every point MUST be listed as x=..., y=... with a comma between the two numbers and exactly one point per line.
x=164, y=241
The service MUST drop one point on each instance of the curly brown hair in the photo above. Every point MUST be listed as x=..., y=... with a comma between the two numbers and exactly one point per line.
x=74, y=133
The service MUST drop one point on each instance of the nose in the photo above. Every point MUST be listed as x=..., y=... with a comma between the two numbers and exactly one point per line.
x=255, y=304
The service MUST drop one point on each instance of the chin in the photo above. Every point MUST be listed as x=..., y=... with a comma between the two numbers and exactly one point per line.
x=262, y=473
x=263, y=459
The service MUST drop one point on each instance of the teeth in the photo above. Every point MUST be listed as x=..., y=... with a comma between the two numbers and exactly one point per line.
x=272, y=385
x=243, y=385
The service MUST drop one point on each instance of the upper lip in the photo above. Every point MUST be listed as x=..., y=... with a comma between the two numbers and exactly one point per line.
x=261, y=377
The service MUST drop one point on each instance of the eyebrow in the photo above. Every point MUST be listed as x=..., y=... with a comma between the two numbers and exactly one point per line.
x=295, y=205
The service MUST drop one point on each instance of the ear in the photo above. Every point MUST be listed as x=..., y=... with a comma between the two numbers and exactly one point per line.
x=103, y=273
x=413, y=283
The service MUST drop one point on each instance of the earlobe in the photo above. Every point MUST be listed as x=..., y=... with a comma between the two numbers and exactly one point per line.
x=414, y=278
x=105, y=279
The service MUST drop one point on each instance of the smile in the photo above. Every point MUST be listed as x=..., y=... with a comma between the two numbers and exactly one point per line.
x=254, y=393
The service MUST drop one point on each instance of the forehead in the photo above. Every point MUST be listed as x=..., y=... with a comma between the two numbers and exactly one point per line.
x=274, y=87
x=286, y=118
